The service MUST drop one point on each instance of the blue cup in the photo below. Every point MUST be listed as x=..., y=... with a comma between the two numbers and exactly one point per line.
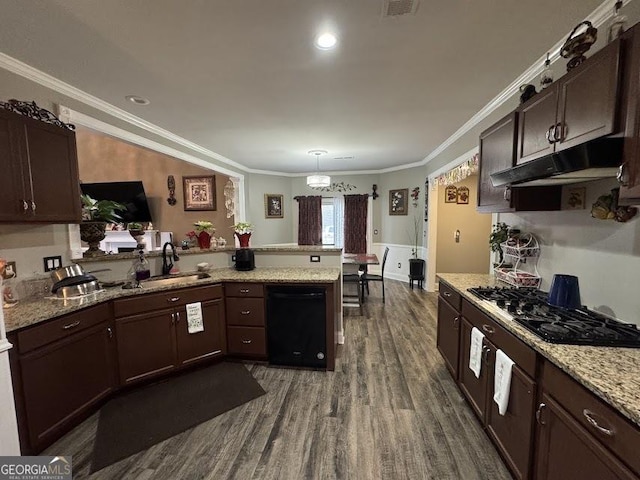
x=564, y=292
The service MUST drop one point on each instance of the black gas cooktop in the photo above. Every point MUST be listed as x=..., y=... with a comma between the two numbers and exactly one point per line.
x=529, y=307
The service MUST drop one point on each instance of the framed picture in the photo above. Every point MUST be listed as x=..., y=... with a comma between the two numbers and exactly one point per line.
x=199, y=192
x=398, y=201
x=273, y=207
x=451, y=194
x=576, y=198
x=463, y=196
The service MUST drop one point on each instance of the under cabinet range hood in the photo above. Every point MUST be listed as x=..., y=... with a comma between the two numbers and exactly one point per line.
x=589, y=161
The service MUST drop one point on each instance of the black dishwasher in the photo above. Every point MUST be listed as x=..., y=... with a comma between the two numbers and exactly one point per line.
x=296, y=326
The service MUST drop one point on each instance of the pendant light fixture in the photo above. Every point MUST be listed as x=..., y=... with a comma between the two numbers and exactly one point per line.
x=317, y=180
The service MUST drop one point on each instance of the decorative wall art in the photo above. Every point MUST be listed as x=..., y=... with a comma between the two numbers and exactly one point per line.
x=230, y=198
x=426, y=199
x=199, y=192
x=463, y=196
x=336, y=187
x=398, y=201
x=576, y=200
x=415, y=194
x=273, y=205
x=451, y=194
x=171, y=185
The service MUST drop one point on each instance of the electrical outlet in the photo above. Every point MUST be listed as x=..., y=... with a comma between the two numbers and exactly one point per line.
x=399, y=265
x=52, y=263
x=10, y=270
x=314, y=258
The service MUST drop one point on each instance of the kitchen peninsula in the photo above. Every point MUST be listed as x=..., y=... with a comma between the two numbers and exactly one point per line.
x=70, y=355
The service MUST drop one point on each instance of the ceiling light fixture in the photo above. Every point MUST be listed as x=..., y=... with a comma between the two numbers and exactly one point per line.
x=317, y=180
x=138, y=100
x=326, y=41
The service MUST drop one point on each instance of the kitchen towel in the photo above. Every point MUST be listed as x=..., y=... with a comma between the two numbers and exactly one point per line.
x=194, y=317
x=475, y=352
x=502, y=381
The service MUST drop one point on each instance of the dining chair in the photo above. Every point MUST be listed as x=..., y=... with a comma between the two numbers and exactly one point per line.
x=356, y=278
x=377, y=278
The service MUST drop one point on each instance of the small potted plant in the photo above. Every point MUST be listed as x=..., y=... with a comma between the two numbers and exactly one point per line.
x=136, y=230
x=416, y=265
x=95, y=216
x=202, y=232
x=243, y=231
x=499, y=235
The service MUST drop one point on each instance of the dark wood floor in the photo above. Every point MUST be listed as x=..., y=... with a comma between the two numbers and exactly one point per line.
x=389, y=411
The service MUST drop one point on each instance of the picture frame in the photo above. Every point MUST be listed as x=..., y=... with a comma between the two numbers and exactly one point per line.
x=462, y=197
x=451, y=194
x=576, y=198
x=199, y=192
x=273, y=205
x=398, y=201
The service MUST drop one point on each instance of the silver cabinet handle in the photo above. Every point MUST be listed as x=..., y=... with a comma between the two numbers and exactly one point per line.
x=246, y=342
x=245, y=312
x=561, y=128
x=485, y=354
x=177, y=317
x=173, y=318
x=244, y=290
x=506, y=195
x=550, y=135
x=447, y=294
x=488, y=329
x=25, y=205
x=623, y=176
x=588, y=414
x=456, y=322
x=173, y=299
x=110, y=332
x=541, y=407
x=71, y=325
x=33, y=206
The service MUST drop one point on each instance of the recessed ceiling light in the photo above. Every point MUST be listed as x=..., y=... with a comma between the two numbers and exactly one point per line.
x=138, y=100
x=326, y=41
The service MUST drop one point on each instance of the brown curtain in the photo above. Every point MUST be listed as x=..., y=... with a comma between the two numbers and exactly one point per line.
x=355, y=223
x=309, y=220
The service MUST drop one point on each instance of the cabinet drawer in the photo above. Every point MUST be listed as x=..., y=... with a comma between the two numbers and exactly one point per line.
x=245, y=311
x=244, y=289
x=618, y=434
x=247, y=341
x=450, y=294
x=518, y=351
x=171, y=298
x=53, y=330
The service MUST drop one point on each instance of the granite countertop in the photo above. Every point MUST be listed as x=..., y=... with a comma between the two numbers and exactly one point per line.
x=612, y=373
x=30, y=312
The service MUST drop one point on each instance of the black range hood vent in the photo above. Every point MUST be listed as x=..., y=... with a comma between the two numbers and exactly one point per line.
x=589, y=161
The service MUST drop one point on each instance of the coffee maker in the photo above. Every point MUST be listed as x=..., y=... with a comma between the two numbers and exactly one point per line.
x=245, y=259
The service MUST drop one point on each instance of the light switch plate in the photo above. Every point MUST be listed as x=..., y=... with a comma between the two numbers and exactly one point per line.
x=52, y=263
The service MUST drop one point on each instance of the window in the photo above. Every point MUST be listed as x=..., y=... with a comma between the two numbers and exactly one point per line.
x=328, y=222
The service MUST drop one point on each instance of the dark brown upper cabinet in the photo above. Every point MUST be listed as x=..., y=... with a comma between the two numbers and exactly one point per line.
x=579, y=107
x=497, y=153
x=41, y=161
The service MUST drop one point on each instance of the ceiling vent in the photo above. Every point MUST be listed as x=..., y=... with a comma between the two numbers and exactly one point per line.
x=396, y=8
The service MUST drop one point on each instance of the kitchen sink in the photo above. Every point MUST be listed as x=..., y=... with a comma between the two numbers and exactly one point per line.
x=173, y=279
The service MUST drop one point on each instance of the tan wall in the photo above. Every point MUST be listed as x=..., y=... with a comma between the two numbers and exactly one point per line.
x=105, y=159
x=471, y=255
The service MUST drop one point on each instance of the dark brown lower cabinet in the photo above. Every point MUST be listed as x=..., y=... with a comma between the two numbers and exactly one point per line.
x=63, y=379
x=475, y=389
x=566, y=450
x=192, y=347
x=448, y=340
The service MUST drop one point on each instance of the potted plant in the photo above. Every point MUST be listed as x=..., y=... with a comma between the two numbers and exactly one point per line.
x=95, y=216
x=499, y=234
x=202, y=232
x=243, y=231
x=416, y=265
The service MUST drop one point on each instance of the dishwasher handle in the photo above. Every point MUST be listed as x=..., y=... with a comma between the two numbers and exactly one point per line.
x=293, y=296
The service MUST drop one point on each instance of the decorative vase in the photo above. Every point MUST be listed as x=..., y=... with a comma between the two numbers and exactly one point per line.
x=243, y=238
x=204, y=240
x=138, y=235
x=93, y=233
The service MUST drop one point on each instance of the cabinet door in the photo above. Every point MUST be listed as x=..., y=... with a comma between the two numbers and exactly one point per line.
x=449, y=335
x=588, y=95
x=475, y=389
x=12, y=193
x=535, y=118
x=53, y=172
x=513, y=431
x=210, y=342
x=567, y=450
x=146, y=345
x=497, y=153
x=63, y=379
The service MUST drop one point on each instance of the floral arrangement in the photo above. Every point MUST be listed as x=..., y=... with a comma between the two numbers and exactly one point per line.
x=242, y=228
x=204, y=226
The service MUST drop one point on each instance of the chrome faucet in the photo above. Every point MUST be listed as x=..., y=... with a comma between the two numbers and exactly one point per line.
x=167, y=262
